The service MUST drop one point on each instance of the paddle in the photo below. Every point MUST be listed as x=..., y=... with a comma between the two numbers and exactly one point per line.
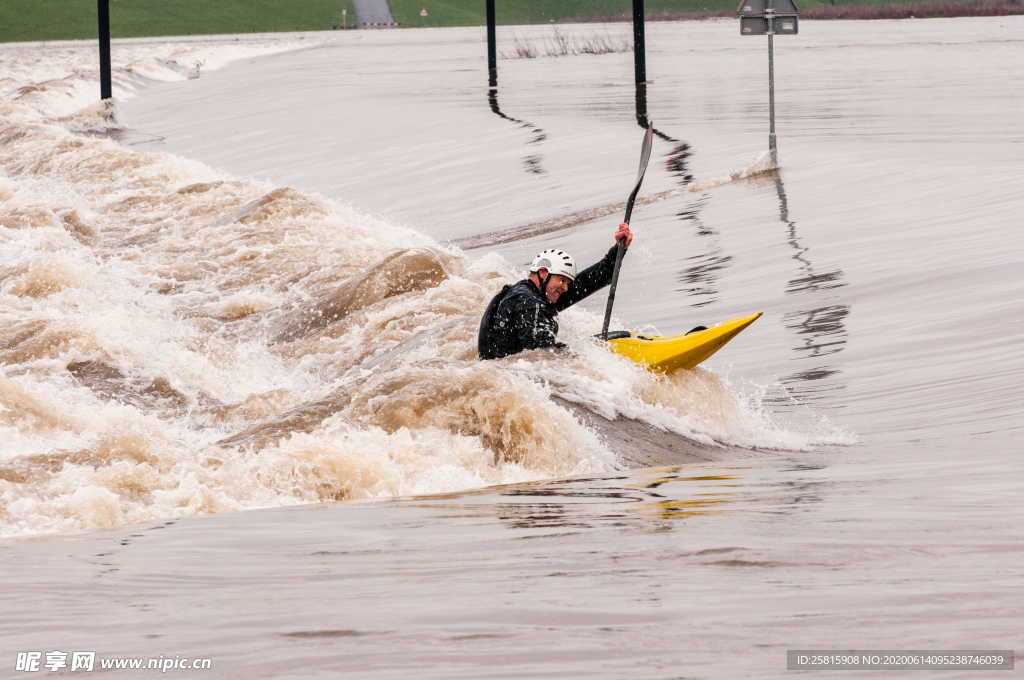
x=645, y=155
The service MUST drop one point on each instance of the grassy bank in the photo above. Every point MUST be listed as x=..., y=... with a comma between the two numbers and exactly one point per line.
x=76, y=19
x=865, y=9
x=920, y=10
x=471, y=12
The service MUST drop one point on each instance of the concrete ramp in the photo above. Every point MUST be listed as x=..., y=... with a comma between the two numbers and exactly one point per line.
x=373, y=14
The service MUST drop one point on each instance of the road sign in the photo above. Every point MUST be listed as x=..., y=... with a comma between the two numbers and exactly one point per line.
x=771, y=18
x=768, y=17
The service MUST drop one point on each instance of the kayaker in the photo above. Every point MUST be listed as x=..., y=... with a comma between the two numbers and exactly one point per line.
x=522, y=315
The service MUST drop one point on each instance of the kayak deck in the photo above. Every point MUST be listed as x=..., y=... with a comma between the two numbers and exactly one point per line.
x=667, y=353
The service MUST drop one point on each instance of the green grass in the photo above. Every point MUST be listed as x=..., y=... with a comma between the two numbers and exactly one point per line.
x=76, y=19
x=473, y=12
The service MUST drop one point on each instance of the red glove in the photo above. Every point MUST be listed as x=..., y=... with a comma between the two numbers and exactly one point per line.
x=624, y=233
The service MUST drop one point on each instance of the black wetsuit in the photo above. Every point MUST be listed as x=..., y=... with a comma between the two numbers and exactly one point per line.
x=520, y=316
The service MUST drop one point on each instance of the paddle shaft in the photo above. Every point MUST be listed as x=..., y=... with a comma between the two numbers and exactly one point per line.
x=620, y=250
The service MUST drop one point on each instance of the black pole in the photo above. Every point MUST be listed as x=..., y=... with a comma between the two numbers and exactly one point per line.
x=492, y=48
x=639, y=50
x=641, y=105
x=103, y=10
x=771, y=97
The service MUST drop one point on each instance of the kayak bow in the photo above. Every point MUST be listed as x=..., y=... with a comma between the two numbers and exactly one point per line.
x=667, y=353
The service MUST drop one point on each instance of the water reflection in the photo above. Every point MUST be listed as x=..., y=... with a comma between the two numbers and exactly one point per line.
x=700, y=277
x=671, y=493
x=701, y=274
x=815, y=282
x=822, y=333
x=550, y=514
x=676, y=160
x=690, y=508
x=820, y=330
x=702, y=503
x=647, y=500
x=676, y=164
x=531, y=162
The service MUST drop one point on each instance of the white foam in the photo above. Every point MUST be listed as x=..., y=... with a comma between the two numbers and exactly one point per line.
x=164, y=282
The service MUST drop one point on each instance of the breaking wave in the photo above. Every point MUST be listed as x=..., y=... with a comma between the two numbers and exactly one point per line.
x=174, y=340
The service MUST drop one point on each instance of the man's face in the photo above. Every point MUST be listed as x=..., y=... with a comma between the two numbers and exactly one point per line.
x=557, y=285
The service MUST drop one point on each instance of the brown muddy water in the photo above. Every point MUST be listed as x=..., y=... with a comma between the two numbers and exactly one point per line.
x=241, y=418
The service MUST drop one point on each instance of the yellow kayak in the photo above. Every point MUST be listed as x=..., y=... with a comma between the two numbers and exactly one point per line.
x=667, y=353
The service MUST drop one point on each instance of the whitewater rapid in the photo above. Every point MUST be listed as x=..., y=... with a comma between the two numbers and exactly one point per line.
x=175, y=340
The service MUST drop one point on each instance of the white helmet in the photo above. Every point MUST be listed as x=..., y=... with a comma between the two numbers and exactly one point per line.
x=556, y=262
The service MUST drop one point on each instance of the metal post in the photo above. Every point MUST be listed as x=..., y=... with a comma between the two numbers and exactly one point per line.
x=492, y=48
x=103, y=12
x=639, y=49
x=770, y=14
x=641, y=105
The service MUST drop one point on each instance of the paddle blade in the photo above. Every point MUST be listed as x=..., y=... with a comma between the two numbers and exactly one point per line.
x=645, y=155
